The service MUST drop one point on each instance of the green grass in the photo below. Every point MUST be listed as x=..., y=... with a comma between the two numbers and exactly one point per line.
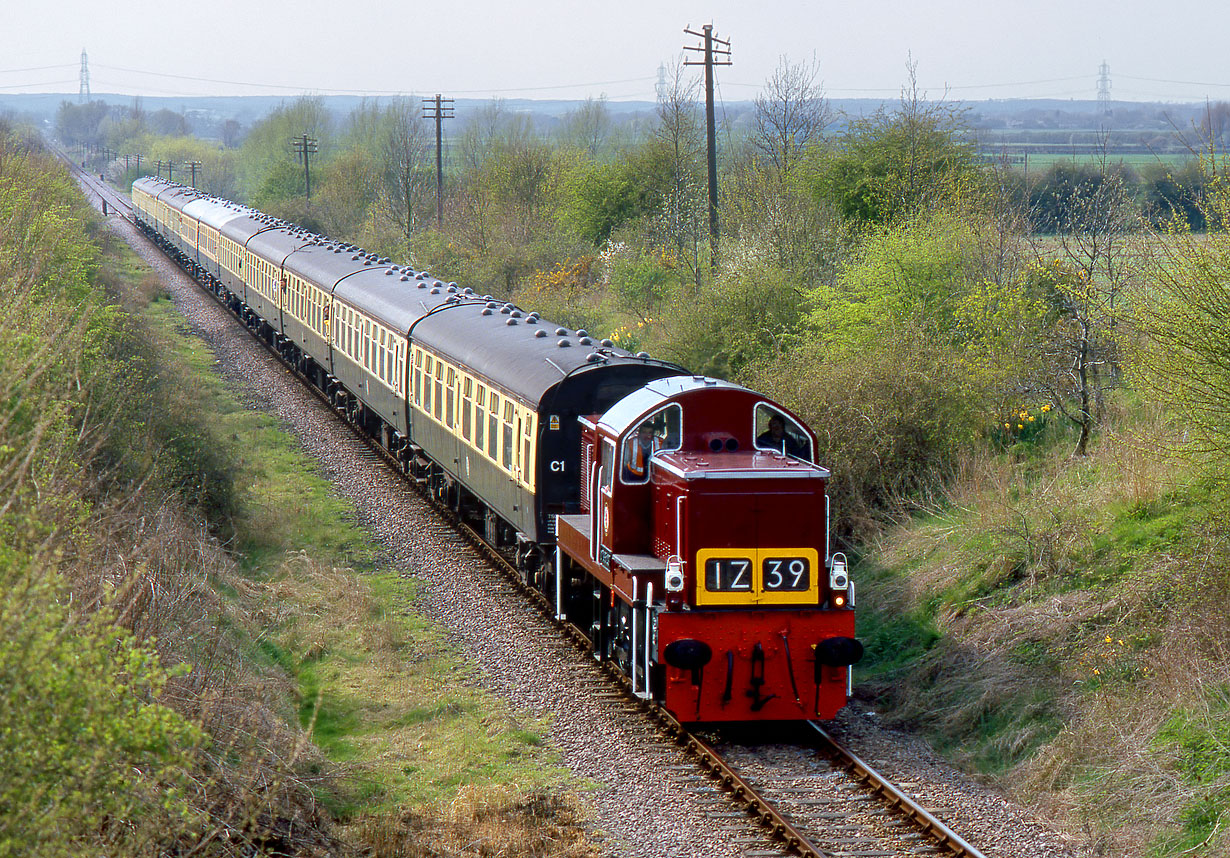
x=1199, y=739
x=376, y=683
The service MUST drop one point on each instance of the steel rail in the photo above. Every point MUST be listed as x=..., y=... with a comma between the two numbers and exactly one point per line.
x=912, y=810
x=760, y=809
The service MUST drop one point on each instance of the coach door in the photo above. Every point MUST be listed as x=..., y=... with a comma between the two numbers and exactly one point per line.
x=602, y=509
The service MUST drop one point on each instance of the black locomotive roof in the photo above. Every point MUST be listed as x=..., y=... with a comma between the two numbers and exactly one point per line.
x=519, y=352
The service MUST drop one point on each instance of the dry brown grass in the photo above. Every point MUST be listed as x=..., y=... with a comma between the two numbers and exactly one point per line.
x=486, y=822
x=1041, y=630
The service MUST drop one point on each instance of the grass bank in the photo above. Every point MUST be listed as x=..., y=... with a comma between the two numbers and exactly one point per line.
x=1059, y=624
x=423, y=762
x=201, y=654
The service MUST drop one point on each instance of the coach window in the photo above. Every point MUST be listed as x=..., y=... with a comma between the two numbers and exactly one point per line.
x=467, y=405
x=439, y=384
x=506, y=458
x=776, y=432
x=493, y=427
x=426, y=382
x=479, y=417
x=527, y=470
x=450, y=398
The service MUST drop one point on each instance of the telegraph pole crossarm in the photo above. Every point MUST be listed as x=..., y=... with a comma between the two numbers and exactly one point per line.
x=717, y=53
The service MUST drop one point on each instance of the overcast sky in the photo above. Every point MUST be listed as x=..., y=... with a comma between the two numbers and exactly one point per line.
x=974, y=49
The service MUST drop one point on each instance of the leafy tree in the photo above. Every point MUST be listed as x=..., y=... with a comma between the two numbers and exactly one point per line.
x=753, y=312
x=912, y=274
x=1094, y=267
x=597, y=199
x=266, y=152
x=1168, y=192
x=80, y=123
x=889, y=165
x=1185, y=314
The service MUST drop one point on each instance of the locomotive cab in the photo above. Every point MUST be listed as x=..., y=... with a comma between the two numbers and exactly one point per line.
x=704, y=514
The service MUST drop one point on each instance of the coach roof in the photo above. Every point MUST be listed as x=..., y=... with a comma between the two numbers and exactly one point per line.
x=518, y=351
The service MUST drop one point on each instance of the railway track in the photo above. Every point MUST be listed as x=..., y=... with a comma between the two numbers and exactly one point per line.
x=810, y=797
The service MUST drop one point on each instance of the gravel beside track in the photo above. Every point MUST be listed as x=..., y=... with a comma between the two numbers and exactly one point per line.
x=649, y=799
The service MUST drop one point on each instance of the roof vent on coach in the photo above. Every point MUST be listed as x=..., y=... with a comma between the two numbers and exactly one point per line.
x=563, y=344
x=404, y=279
x=540, y=333
x=434, y=292
x=487, y=311
x=561, y=332
x=643, y=355
x=511, y=322
x=607, y=344
x=585, y=341
x=581, y=332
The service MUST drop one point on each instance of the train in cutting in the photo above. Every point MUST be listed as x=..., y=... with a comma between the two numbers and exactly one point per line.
x=680, y=522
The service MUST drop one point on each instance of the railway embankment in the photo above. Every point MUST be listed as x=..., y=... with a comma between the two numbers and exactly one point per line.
x=201, y=653
x=1059, y=624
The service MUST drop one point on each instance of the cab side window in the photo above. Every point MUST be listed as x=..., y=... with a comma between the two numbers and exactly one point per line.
x=777, y=433
x=660, y=432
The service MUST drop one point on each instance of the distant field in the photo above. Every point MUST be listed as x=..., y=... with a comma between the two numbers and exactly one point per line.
x=1043, y=161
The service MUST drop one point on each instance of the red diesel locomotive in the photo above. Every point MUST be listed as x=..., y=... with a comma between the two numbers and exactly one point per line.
x=703, y=539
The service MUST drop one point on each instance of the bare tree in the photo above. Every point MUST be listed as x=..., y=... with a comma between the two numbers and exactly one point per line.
x=1094, y=243
x=791, y=114
x=680, y=132
x=405, y=166
x=588, y=127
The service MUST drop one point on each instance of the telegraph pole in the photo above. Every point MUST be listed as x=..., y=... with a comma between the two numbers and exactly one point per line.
x=717, y=53
x=194, y=166
x=439, y=109
x=304, y=146
x=170, y=171
x=138, y=157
